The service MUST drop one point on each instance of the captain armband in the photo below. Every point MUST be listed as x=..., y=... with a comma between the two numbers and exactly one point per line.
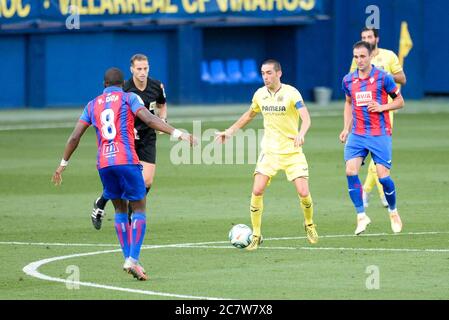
x=394, y=94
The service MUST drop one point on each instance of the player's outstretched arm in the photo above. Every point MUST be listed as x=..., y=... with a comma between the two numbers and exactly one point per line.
x=347, y=122
x=71, y=145
x=156, y=123
x=221, y=136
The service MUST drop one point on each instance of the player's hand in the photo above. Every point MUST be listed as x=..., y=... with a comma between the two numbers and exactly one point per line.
x=189, y=138
x=374, y=106
x=298, y=140
x=343, y=136
x=222, y=136
x=57, y=176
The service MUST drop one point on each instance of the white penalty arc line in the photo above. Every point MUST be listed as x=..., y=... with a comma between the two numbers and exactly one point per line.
x=32, y=268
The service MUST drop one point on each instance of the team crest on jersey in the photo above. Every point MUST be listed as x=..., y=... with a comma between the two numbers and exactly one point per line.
x=280, y=99
x=371, y=80
x=152, y=105
x=110, y=149
x=362, y=98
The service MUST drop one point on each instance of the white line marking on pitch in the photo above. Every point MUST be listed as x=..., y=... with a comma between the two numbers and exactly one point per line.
x=211, y=242
x=32, y=268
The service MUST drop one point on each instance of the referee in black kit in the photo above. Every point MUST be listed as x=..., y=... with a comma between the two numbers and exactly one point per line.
x=153, y=95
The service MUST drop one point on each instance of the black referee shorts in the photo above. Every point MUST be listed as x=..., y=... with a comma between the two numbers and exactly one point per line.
x=146, y=146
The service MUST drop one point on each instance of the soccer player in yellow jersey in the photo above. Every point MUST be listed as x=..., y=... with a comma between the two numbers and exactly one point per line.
x=389, y=62
x=281, y=106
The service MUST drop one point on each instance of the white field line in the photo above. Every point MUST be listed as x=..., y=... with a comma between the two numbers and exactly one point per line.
x=325, y=248
x=213, y=242
x=32, y=268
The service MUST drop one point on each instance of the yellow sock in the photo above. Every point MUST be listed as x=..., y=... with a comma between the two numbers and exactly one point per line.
x=307, y=208
x=380, y=188
x=371, y=178
x=256, y=213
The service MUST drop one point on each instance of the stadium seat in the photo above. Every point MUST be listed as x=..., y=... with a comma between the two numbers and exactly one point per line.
x=233, y=71
x=250, y=72
x=205, y=75
x=217, y=72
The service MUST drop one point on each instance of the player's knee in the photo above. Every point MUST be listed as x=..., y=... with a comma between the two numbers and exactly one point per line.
x=351, y=171
x=148, y=182
x=303, y=193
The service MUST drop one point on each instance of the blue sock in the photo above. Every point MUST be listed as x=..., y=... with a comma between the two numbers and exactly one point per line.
x=355, y=192
x=138, y=228
x=389, y=191
x=123, y=231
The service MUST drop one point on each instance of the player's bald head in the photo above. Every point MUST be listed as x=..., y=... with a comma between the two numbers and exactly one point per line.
x=113, y=77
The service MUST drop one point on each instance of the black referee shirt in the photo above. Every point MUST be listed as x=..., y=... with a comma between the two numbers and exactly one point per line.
x=153, y=93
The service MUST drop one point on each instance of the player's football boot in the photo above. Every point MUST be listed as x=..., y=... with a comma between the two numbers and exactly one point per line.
x=255, y=242
x=365, y=196
x=97, y=215
x=396, y=223
x=127, y=265
x=312, y=235
x=138, y=272
x=362, y=223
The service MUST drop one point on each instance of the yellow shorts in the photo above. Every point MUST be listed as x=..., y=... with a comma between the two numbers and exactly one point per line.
x=294, y=164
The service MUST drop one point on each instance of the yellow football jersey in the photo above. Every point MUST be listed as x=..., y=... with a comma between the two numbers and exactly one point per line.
x=280, y=118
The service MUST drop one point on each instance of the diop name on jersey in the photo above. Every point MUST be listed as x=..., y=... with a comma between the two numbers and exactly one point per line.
x=111, y=98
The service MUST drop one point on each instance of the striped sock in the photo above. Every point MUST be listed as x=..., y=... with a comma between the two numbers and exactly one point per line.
x=355, y=192
x=122, y=229
x=138, y=228
x=389, y=191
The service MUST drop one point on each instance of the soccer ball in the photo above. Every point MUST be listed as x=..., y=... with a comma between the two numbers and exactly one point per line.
x=240, y=236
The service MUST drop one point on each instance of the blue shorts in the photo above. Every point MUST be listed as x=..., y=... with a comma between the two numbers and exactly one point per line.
x=123, y=182
x=379, y=147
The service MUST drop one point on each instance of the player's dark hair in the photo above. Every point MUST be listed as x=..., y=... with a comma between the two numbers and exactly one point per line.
x=138, y=57
x=113, y=77
x=275, y=63
x=374, y=30
x=364, y=44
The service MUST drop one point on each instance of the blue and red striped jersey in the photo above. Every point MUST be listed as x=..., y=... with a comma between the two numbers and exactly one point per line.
x=377, y=86
x=112, y=114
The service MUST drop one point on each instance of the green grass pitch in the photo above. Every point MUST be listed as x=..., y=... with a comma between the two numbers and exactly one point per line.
x=192, y=207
